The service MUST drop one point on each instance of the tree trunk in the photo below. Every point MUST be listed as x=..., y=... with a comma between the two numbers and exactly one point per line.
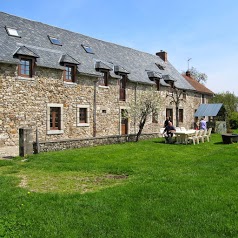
x=141, y=126
x=177, y=116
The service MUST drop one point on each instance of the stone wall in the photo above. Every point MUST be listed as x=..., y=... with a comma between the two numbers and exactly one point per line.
x=25, y=102
x=87, y=142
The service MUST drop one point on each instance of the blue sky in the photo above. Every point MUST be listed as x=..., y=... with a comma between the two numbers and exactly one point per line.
x=204, y=30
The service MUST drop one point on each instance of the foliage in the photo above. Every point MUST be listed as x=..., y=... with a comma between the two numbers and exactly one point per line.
x=146, y=103
x=200, y=77
x=170, y=191
x=234, y=120
x=230, y=102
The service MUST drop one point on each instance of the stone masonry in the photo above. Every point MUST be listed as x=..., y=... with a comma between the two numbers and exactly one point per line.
x=23, y=103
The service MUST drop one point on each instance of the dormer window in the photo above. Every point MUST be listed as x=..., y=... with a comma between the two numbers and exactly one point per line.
x=104, y=79
x=70, y=73
x=157, y=84
x=55, y=40
x=12, y=31
x=27, y=60
x=70, y=70
x=123, y=80
x=171, y=83
x=104, y=68
x=88, y=49
x=26, y=67
x=184, y=94
x=169, y=80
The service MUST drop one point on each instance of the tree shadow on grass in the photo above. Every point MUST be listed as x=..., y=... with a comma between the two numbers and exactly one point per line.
x=163, y=142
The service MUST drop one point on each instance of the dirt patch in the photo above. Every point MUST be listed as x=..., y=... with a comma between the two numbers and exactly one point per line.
x=23, y=183
x=116, y=176
x=69, y=182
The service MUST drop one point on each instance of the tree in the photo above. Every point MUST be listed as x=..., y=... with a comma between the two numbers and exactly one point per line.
x=176, y=96
x=146, y=104
x=200, y=77
x=230, y=102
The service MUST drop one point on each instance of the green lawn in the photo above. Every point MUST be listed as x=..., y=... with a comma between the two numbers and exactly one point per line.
x=145, y=189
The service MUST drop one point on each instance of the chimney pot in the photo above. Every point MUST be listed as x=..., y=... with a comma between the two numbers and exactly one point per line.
x=188, y=73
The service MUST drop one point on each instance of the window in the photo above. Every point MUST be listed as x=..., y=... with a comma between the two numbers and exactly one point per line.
x=161, y=67
x=54, y=118
x=82, y=115
x=88, y=49
x=70, y=73
x=54, y=40
x=123, y=88
x=203, y=98
x=104, y=79
x=25, y=68
x=154, y=117
x=181, y=115
x=184, y=95
x=124, y=121
x=169, y=113
x=157, y=85
x=12, y=31
x=171, y=83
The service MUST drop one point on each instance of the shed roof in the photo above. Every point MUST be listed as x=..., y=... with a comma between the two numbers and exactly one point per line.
x=208, y=110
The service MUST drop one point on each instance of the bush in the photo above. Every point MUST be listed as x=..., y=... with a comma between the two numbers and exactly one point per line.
x=234, y=120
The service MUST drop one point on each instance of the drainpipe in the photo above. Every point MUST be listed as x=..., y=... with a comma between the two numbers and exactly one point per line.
x=135, y=103
x=95, y=108
x=37, y=149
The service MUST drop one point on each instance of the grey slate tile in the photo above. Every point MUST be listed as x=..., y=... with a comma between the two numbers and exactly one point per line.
x=34, y=35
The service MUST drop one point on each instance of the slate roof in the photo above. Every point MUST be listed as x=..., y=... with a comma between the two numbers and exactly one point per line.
x=208, y=110
x=25, y=51
x=68, y=59
x=198, y=86
x=34, y=36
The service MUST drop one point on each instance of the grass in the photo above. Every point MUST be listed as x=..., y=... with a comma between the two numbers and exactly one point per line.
x=145, y=189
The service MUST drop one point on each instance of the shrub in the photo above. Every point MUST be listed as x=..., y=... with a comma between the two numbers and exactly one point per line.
x=234, y=120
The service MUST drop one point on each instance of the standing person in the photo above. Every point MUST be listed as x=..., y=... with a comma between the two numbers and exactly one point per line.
x=203, y=124
x=169, y=130
x=167, y=121
x=196, y=124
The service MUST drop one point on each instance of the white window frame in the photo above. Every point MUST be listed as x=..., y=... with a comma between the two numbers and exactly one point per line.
x=78, y=113
x=55, y=132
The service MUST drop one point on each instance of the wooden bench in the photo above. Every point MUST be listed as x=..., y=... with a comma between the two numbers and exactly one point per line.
x=229, y=138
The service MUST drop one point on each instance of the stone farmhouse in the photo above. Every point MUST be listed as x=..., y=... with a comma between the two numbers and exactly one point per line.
x=72, y=86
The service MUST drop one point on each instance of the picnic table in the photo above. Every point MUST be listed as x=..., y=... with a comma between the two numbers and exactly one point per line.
x=182, y=136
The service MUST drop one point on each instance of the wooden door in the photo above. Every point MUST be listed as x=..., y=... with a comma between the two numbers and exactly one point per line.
x=124, y=123
x=169, y=113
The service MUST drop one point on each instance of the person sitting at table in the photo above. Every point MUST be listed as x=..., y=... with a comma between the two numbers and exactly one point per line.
x=168, y=132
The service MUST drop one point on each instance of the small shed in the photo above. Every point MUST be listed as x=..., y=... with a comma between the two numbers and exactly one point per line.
x=216, y=115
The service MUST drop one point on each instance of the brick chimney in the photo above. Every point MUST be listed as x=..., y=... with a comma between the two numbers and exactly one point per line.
x=188, y=73
x=163, y=55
